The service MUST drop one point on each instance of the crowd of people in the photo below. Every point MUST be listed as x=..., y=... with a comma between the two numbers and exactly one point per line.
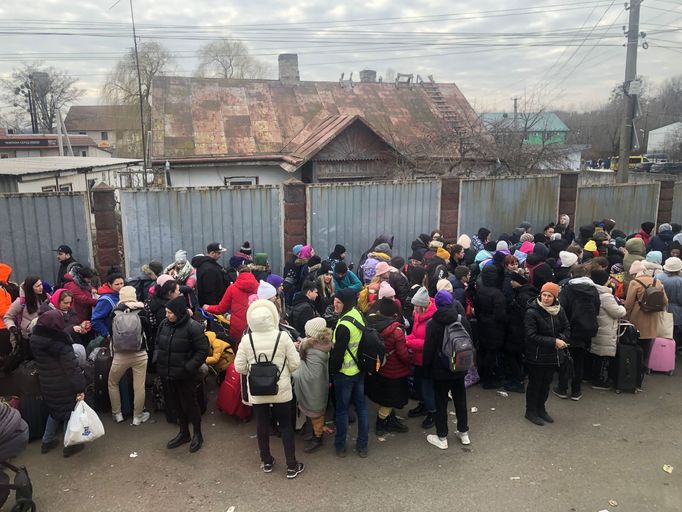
x=534, y=302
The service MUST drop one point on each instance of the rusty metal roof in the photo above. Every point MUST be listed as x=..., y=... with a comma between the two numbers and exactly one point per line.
x=200, y=117
x=102, y=118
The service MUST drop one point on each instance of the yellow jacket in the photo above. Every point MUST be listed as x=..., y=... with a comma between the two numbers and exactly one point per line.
x=221, y=355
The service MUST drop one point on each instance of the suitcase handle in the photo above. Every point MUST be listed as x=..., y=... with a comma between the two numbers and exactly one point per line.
x=622, y=325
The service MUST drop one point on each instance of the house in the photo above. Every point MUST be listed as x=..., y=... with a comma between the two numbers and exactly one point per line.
x=537, y=128
x=67, y=173
x=231, y=132
x=115, y=128
x=23, y=145
x=666, y=139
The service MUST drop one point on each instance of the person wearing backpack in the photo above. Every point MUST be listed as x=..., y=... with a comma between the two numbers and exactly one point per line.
x=349, y=380
x=645, y=301
x=108, y=298
x=448, y=313
x=580, y=301
x=268, y=357
x=547, y=331
x=129, y=348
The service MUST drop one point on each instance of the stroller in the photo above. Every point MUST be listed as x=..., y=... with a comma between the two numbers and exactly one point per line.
x=219, y=324
x=22, y=487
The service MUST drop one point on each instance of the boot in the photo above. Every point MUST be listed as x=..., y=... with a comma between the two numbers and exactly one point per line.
x=381, y=428
x=68, y=451
x=429, y=421
x=545, y=417
x=393, y=424
x=420, y=410
x=197, y=439
x=312, y=445
x=180, y=439
x=534, y=418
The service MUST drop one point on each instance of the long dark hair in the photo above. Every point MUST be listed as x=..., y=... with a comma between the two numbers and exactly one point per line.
x=167, y=288
x=30, y=297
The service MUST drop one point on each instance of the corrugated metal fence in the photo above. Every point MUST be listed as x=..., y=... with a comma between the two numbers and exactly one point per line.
x=156, y=223
x=628, y=204
x=502, y=204
x=35, y=224
x=354, y=215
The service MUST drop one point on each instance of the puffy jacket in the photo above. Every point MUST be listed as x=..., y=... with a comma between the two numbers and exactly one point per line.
x=60, y=377
x=539, y=272
x=236, y=301
x=182, y=348
x=350, y=280
x=400, y=284
x=646, y=323
x=661, y=242
x=101, y=315
x=212, y=280
x=490, y=308
x=523, y=296
x=398, y=358
x=542, y=330
x=673, y=289
x=5, y=296
x=604, y=343
x=415, y=340
x=580, y=300
x=311, y=378
x=63, y=271
x=18, y=314
x=433, y=343
x=436, y=271
x=263, y=321
x=83, y=301
x=636, y=251
x=302, y=310
x=220, y=354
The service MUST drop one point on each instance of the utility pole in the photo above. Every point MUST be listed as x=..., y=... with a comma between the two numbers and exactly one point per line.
x=139, y=88
x=629, y=93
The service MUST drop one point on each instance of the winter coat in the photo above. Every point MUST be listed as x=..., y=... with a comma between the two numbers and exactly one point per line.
x=18, y=313
x=458, y=290
x=673, y=289
x=239, y=259
x=646, y=323
x=415, y=340
x=60, y=377
x=311, y=378
x=490, y=308
x=522, y=297
x=157, y=308
x=212, y=280
x=5, y=296
x=636, y=252
x=182, y=348
x=263, y=322
x=108, y=298
x=433, y=367
x=400, y=285
x=661, y=242
x=220, y=354
x=398, y=358
x=562, y=275
x=437, y=270
x=325, y=296
x=236, y=301
x=539, y=272
x=642, y=235
x=542, y=330
x=13, y=432
x=350, y=280
x=579, y=299
x=302, y=310
x=83, y=301
x=63, y=271
x=604, y=343
x=293, y=277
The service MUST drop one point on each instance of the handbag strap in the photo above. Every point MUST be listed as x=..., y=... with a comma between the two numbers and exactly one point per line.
x=255, y=356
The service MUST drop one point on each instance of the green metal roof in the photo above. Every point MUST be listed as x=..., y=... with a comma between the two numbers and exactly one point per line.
x=537, y=121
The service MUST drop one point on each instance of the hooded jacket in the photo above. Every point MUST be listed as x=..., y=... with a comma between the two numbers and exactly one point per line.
x=212, y=280
x=311, y=378
x=415, y=340
x=236, y=301
x=83, y=301
x=398, y=358
x=220, y=354
x=579, y=299
x=490, y=308
x=182, y=348
x=263, y=322
x=673, y=290
x=5, y=296
x=604, y=343
x=661, y=242
x=433, y=342
x=64, y=268
x=101, y=315
x=636, y=251
x=302, y=310
x=645, y=322
x=542, y=330
x=350, y=280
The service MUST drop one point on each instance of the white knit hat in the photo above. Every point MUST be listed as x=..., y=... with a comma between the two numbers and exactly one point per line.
x=568, y=259
x=266, y=291
x=444, y=284
x=315, y=327
x=502, y=246
x=421, y=297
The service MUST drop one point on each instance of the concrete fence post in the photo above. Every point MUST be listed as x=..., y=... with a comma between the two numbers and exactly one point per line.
x=108, y=240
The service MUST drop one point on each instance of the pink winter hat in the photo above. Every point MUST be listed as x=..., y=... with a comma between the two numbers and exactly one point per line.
x=306, y=252
x=386, y=291
x=382, y=268
x=163, y=279
x=637, y=267
x=527, y=247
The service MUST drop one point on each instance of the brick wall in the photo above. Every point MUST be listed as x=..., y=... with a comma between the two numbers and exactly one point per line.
x=295, y=204
x=449, y=207
x=108, y=244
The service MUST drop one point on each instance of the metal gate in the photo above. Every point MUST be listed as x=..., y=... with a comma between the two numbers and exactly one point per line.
x=354, y=215
x=156, y=223
x=35, y=224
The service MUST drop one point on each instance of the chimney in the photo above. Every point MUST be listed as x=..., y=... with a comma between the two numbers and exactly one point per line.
x=368, y=75
x=288, y=68
x=3, y=132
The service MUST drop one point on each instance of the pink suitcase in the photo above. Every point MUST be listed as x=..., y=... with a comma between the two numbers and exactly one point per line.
x=662, y=358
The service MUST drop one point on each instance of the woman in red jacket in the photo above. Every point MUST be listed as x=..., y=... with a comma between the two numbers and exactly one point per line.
x=389, y=388
x=78, y=282
x=236, y=301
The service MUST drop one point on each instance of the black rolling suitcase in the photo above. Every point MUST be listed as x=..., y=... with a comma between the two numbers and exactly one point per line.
x=34, y=412
x=629, y=359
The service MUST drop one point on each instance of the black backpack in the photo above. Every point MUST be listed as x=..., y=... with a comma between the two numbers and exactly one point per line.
x=263, y=374
x=371, y=351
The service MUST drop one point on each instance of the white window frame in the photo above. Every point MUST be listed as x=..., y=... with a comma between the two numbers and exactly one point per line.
x=240, y=181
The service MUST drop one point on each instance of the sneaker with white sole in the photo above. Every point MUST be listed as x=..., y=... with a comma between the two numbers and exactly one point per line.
x=267, y=468
x=437, y=441
x=463, y=437
x=142, y=418
x=295, y=471
x=117, y=417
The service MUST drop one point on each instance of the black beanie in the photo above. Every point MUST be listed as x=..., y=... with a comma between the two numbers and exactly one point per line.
x=347, y=296
x=325, y=268
x=490, y=246
x=245, y=248
x=315, y=260
x=339, y=249
x=398, y=262
x=388, y=307
x=417, y=256
x=600, y=277
x=341, y=268
x=156, y=267
x=648, y=226
x=178, y=306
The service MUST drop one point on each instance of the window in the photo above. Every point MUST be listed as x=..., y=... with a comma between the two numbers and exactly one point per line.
x=241, y=181
x=104, y=136
x=50, y=188
x=4, y=155
x=84, y=153
x=66, y=187
x=82, y=133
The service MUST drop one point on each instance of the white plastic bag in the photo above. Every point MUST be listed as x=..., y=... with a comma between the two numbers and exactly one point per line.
x=84, y=425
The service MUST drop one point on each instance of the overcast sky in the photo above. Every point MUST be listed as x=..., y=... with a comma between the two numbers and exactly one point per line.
x=570, y=52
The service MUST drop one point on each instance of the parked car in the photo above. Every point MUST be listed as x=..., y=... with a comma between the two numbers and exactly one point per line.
x=645, y=167
x=667, y=168
x=633, y=161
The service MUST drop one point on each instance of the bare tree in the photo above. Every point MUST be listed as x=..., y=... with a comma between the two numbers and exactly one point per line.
x=50, y=89
x=229, y=58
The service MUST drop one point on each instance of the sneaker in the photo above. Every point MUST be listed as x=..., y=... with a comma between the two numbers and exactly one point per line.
x=117, y=417
x=515, y=388
x=68, y=451
x=341, y=453
x=46, y=447
x=267, y=468
x=463, y=437
x=142, y=418
x=429, y=421
x=295, y=471
x=559, y=393
x=393, y=424
x=362, y=453
x=437, y=441
x=420, y=410
x=601, y=387
x=576, y=396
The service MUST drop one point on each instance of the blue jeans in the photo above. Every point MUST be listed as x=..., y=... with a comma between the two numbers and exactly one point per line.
x=424, y=389
x=349, y=389
x=51, y=429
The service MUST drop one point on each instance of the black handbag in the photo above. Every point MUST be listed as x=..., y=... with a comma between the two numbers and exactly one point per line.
x=264, y=374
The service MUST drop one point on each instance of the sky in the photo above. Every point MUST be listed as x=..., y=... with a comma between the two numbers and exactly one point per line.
x=559, y=54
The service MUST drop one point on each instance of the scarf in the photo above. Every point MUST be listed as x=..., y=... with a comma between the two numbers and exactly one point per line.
x=184, y=272
x=552, y=310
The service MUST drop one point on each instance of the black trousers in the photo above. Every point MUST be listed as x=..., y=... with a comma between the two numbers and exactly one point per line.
x=601, y=370
x=539, y=381
x=578, y=356
x=487, y=365
x=265, y=415
x=645, y=345
x=514, y=366
x=183, y=393
x=459, y=396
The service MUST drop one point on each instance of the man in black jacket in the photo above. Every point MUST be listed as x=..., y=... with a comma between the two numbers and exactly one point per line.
x=65, y=259
x=304, y=306
x=212, y=279
x=437, y=269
